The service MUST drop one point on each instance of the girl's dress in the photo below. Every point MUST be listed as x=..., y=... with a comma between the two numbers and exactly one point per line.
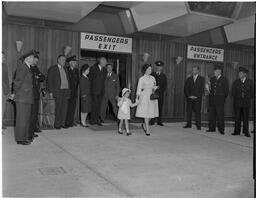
x=85, y=92
x=124, y=109
x=146, y=108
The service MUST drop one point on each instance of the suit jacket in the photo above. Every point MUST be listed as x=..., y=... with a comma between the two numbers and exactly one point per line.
x=5, y=79
x=23, y=84
x=242, y=92
x=196, y=88
x=85, y=86
x=112, y=86
x=38, y=77
x=97, y=78
x=74, y=80
x=218, y=91
x=161, y=81
x=54, y=80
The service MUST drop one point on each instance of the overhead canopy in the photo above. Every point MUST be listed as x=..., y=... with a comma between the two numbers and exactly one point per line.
x=177, y=19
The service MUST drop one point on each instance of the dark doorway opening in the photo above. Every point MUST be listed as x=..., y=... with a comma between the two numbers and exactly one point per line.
x=121, y=66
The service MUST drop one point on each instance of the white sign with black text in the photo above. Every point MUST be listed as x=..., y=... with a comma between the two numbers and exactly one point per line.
x=101, y=42
x=205, y=53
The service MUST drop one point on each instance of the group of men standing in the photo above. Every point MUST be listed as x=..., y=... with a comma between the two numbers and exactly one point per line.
x=242, y=93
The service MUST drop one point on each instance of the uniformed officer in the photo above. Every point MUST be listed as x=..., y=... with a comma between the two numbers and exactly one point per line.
x=161, y=82
x=242, y=93
x=24, y=98
x=38, y=77
x=218, y=92
x=73, y=74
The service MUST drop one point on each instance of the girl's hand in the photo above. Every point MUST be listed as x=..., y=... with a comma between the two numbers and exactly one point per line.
x=156, y=87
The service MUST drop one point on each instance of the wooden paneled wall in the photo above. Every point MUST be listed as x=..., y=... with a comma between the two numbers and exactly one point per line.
x=50, y=43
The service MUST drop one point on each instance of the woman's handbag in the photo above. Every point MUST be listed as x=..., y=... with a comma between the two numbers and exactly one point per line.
x=154, y=96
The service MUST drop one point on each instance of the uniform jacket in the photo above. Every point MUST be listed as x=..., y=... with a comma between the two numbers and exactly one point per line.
x=112, y=86
x=23, y=84
x=218, y=90
x=196, y=88
x=5, y=79
x=38, y=77
x=74, y=80
x=85, y=86
x=242, y=93
x=54, y=80
x=97, y=78
x=161, y=82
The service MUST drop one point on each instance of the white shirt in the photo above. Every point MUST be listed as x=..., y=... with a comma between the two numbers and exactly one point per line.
x=243, y=80
x=27, y=64
x=218, y=77
x=109, y=74
x=195, y=77
x=100, y=67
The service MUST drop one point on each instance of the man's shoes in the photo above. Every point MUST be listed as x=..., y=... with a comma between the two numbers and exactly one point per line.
x=235, y=133
x=35, y=135
x=38, y=131
x=210, y=130
x=247, y=134
x=65, y=127
x=101, y=121
x=57, y=127
x=24, y=142
x=99, y=124
x=187, y=126
x=222, y=132
x=198, y=127
x=160, y=124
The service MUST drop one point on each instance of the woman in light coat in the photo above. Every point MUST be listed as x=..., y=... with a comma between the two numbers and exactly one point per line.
x=146, y=108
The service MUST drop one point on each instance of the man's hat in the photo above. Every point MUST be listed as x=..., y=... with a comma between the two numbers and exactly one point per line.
x=31, y=52
x=218, y=67
x=125, y=90
x=242, y=69
x=71, y=58
x=159, y=63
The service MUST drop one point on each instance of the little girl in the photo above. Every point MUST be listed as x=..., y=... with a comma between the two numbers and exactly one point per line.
x=124, y=105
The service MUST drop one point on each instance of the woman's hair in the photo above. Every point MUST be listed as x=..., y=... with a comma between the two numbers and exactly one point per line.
x=84, y=68
x=145, y=67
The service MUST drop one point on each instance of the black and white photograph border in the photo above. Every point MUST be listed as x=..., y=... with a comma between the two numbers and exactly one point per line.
x=122, y=99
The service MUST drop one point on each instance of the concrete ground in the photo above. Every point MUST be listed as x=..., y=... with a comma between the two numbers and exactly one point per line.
x=172, y=163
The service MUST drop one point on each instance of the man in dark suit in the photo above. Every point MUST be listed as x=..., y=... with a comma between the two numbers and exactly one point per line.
x=73, y=74
x=5, y=87
x=218, y=93
x=24, y=98
x=161, y=82
x=194, y=90
x=59, y=89
x=97, y=76
x=38, y=77
x=242, y=93
x=112, y=88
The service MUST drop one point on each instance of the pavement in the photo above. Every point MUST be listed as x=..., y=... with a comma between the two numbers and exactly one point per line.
x=171, y=163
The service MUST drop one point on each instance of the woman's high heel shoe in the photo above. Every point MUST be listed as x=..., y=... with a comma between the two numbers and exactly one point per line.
x=142, y=126
x=128, y=133
x=120, y=132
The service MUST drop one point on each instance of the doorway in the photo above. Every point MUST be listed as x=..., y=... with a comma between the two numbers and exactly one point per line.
x=121, y=66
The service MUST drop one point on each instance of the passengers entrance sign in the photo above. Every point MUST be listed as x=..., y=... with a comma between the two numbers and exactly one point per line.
x=205, y=53
x=101, y=42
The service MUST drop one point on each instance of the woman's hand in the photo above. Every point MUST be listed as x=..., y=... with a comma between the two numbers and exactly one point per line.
x=155, y=88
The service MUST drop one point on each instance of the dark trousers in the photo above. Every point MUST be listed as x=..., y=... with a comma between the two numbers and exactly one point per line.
x=61, y=107
x=21, y=130
x=242, y=113
x=194, y=106
x=96, y=108
x=104, y=106
x=160, y=110
x=71, y=111
x=34, y=119
x=216, y=113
